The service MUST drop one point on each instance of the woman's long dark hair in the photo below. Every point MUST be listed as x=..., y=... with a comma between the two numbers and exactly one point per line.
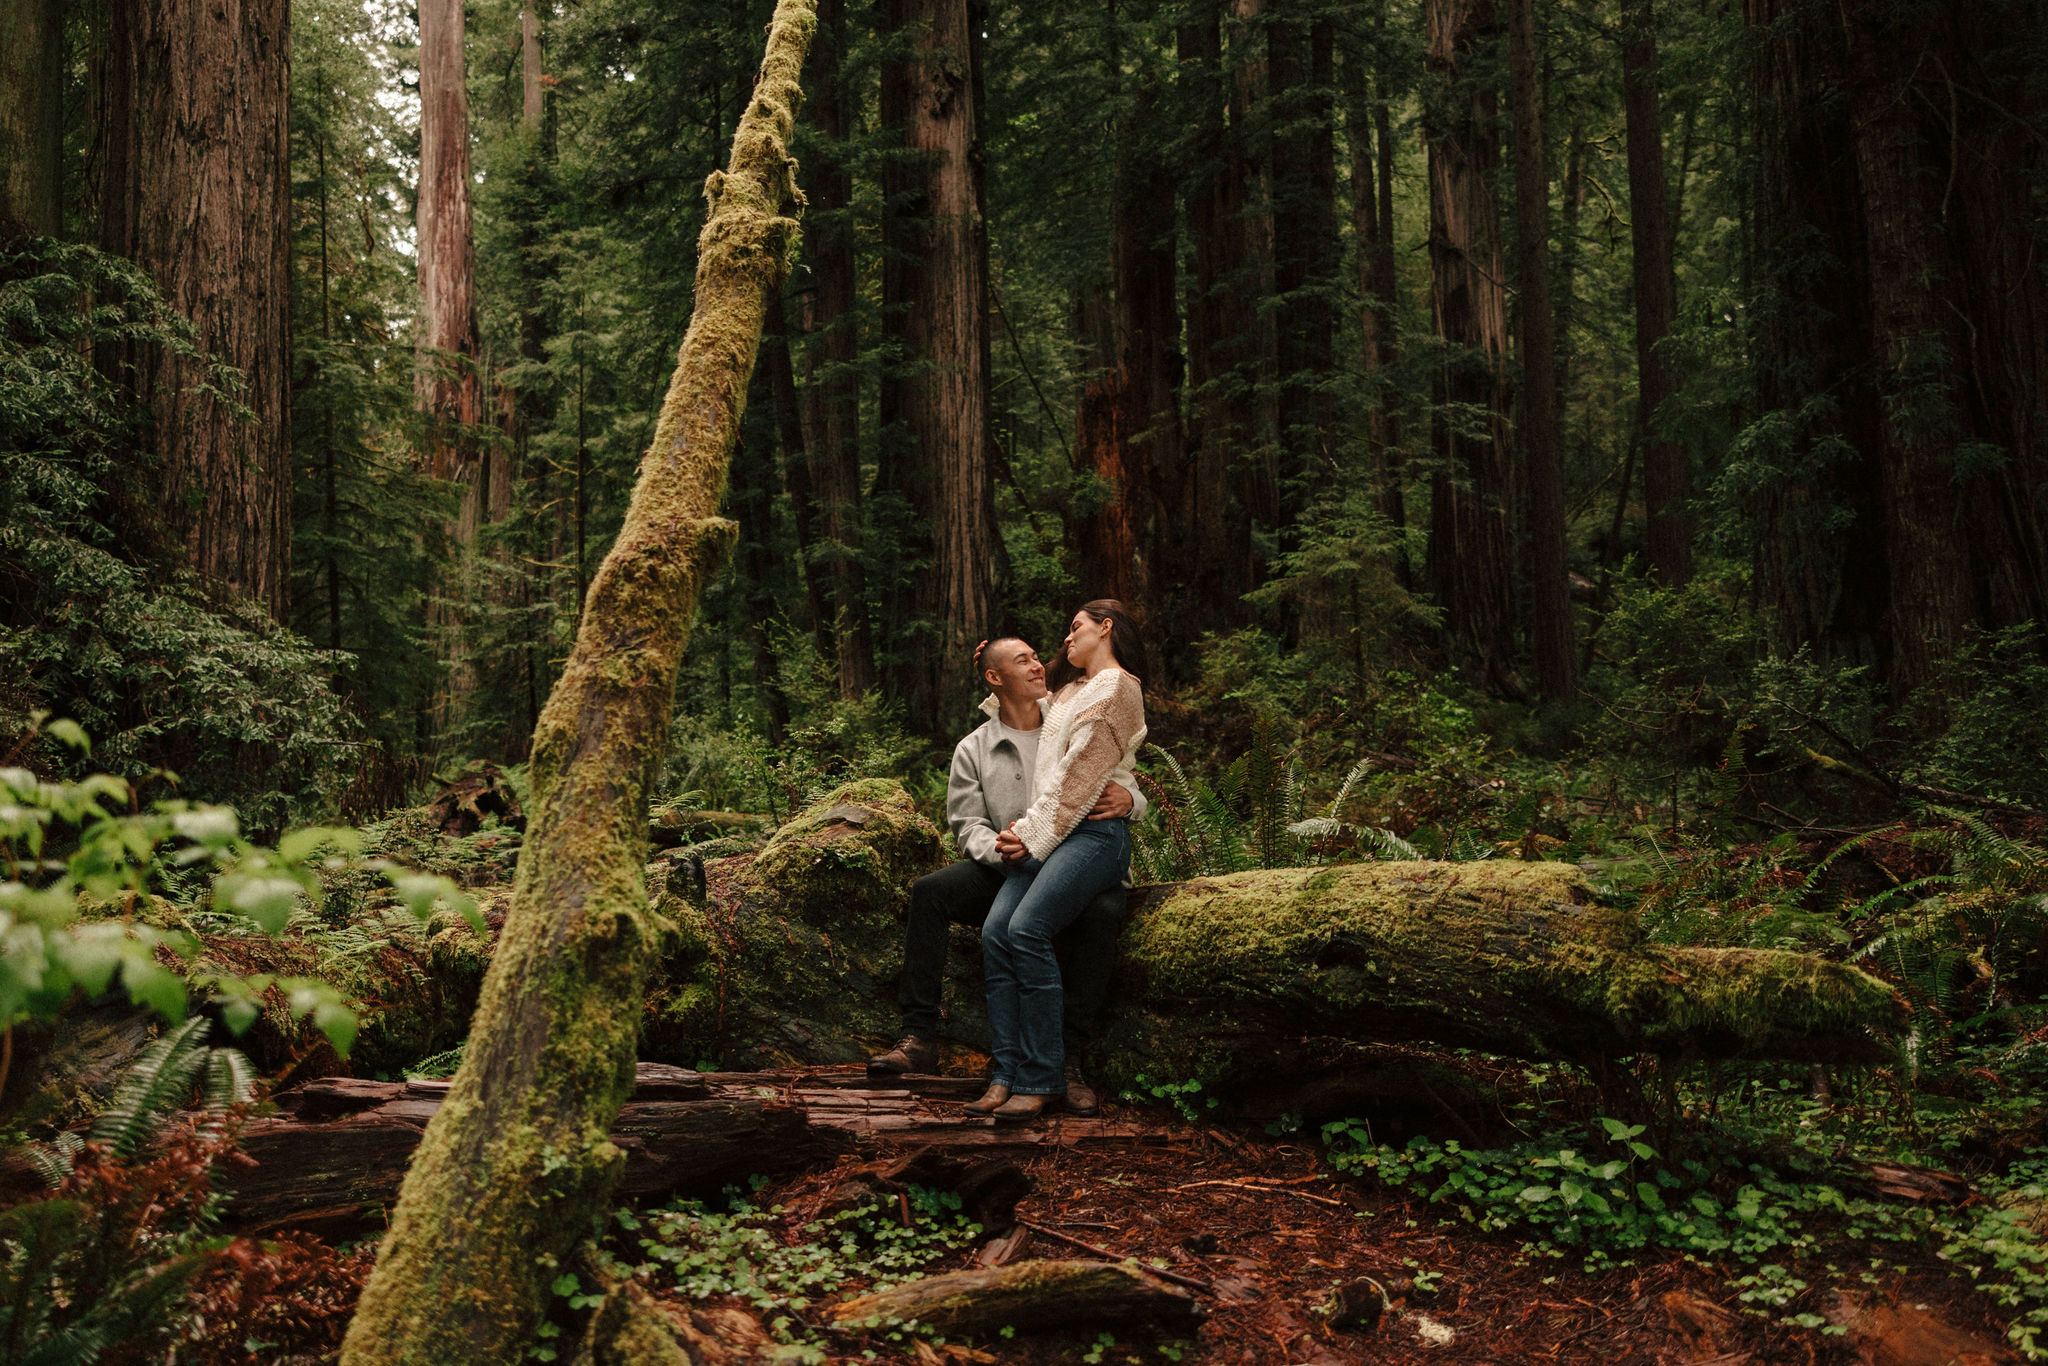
x=1124, y=643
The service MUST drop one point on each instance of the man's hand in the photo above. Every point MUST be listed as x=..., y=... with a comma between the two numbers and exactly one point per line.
x=1010, y=847
x=1113, y=805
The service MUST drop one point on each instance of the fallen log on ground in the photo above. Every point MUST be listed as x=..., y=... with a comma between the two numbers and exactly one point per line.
x=1032, y=1295
x=332, y=1158
x=792, y=958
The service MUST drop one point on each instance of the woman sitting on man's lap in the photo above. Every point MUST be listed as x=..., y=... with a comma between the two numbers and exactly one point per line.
x=1056, y=860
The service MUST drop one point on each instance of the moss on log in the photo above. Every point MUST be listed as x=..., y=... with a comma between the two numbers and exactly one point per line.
x=518, y=1160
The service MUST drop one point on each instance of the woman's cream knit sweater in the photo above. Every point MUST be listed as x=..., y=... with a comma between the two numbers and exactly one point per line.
x=1093, y=728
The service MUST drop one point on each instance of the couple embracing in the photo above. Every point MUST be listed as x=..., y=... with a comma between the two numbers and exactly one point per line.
x=1040, y=798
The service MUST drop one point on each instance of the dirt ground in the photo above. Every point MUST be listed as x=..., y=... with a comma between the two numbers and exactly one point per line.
x=1270, y=1234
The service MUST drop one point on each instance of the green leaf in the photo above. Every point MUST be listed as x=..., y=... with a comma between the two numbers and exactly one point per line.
x=212, y=826
x=299, y=845
x=68, y=732
x=267, y=899
x=338, y=1023
x=566, y=1284
x=154, y=986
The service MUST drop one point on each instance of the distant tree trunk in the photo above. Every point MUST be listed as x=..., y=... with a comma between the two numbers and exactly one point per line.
x=1917, y=342
x=1574, y=202
x=799, y=481
x=446, y=388
x=516, y=1163
x=1542, y=447
x=1471, y=540
x=1214, y=534
x=1255, y=460
x=751, y=502
x=531, y=104
x=1372, y=224
x=1302, y=76
x=1667, y=476
x=1148, y=331
x=935, y=407
x=195, y=188
x=31, y=118
x=832, y=390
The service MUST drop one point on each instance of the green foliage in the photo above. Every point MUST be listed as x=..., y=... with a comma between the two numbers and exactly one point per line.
x=1185, y=1097
x=1251, y=816
x=95, y=620
x=163, y=1080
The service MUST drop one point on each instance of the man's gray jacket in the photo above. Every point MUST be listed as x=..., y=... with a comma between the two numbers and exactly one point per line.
x=988, y=787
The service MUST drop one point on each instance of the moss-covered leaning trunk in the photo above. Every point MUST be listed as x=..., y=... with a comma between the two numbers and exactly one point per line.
x=517, y=1161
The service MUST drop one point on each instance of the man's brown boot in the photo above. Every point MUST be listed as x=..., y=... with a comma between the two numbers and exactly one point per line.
x=911, y=1054
x=992, y=1098
x=1081, y=1097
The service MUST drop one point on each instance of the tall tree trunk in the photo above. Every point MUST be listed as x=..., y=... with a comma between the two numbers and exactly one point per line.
x=1302, y=78
x=31, y=117
x=1542, y=447
x=516, y=1163
x=799, y=481
x=1914, y=328
x=1214, y=533
x=832, y=393
x=531, y=103
x=1667, y=476
x=1471, y=538
x=447, y=385
x=1372, y=225
x=1252, y=329
x=935, y=405
x=446, y=388
x=195, y=188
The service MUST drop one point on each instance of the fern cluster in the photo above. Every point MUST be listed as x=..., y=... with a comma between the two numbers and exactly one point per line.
x=1251, y=816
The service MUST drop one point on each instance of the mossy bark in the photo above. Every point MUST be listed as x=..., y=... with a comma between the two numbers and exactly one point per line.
x=517, y=1162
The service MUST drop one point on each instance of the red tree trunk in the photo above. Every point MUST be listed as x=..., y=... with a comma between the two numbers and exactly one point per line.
x=1470, y=537
x=936, y=402
x=31, y=118
x=195, y=188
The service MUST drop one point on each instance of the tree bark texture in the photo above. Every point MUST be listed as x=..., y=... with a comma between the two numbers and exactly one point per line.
x=195, y=188
x=1471, y=536
x=799, y=481
x=832, y=380
x=31, y=118
x=935, y=400
x=1667, y=471
x=1541, y=442
x=446, y=387
x=1215, y=536
x=518, y=1160
x=531, y=101
x=1905, y=352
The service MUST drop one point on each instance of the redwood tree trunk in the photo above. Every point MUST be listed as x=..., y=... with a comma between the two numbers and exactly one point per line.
x=832, y=393
x=517, y=1162
x=1667, y=475
x=1542, y=447
x=446, y=387
x=1372, y=224
x=1471, y=541
x=935, y=405
x=31, y=117
x=195, y=188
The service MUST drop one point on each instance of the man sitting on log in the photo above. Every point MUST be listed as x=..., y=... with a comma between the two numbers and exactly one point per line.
x=988, y=788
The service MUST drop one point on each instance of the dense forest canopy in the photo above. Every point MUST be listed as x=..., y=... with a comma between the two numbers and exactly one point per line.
x=1227, y=309
x=1584, y=465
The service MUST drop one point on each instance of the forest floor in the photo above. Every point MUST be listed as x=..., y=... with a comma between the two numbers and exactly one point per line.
x=1270, y=1232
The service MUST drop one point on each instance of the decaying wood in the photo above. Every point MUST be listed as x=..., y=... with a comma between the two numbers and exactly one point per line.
x=1028, y=1296
x=333, y=1157
x=631, y=1328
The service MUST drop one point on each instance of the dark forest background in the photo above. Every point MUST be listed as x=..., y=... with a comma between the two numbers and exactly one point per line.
x=1643, y=402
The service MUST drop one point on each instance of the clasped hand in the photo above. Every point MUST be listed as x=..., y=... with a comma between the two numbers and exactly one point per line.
x=1113, y=805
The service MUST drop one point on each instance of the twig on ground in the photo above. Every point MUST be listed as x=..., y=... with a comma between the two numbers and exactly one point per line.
x=1189, y=1281
x=1274, y=1190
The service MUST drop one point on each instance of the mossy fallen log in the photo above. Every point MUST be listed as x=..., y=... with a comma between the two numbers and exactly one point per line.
x=792, y=958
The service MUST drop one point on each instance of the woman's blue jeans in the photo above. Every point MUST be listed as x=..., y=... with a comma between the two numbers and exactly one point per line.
x=1025, y=995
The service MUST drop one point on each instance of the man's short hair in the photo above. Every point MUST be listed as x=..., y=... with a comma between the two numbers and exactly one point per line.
x=982, y=661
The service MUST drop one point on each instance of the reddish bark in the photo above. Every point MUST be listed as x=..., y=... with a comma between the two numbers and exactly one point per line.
x=195, y=188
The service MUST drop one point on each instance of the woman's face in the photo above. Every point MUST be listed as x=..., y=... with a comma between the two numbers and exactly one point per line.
x=1088, y=641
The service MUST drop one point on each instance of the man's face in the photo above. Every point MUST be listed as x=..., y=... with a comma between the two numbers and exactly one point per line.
x=1012, y=669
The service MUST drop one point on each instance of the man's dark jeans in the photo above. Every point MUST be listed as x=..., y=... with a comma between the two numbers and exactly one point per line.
x=961, y=894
